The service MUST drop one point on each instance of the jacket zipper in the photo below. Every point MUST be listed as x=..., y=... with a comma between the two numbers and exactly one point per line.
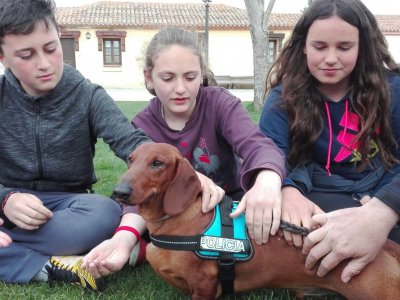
x=37, y=141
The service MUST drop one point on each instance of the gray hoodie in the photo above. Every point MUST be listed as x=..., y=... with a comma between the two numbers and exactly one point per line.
x=48, y=143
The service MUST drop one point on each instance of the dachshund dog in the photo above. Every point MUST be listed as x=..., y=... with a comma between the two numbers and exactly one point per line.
x=167, y=192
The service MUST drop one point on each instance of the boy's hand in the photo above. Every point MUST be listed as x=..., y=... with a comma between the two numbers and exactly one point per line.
x=26, y=211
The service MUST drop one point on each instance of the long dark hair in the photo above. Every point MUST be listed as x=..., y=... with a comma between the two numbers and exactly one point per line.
x=370, y=88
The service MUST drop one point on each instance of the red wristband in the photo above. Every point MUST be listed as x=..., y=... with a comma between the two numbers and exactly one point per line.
x=130, y=229
x=3, y=204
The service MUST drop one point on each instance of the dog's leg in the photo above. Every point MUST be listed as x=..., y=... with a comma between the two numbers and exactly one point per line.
x=205, y=280
x=198, y=278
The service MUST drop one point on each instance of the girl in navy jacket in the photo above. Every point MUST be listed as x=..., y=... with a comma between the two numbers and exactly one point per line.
x=333, y=108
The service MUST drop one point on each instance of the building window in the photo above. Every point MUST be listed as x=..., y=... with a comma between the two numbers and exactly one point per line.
x=112, y=52
x=71, y=35
x=112, y=43
x=272, y=50
x=274, y=46
x=69, y=43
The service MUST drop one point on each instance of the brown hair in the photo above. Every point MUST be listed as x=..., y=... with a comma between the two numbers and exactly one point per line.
x=168, y=37
x=22, y=16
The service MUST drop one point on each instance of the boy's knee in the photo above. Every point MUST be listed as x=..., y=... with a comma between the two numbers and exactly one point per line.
x=111, y=212
x=104, y=211
x=107, y=205
x=113, y=206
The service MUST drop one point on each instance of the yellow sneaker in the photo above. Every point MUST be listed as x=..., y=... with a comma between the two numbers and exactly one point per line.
x=68, y=269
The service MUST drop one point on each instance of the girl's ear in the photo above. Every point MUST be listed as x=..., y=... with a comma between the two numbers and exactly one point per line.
x=148, y=79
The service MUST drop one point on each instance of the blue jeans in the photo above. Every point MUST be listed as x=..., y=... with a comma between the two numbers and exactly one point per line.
x=79, y=223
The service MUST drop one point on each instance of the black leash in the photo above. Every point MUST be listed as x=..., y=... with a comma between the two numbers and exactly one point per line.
x=294, y=228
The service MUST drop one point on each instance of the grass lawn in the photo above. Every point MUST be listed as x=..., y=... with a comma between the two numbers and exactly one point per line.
x=137, y=283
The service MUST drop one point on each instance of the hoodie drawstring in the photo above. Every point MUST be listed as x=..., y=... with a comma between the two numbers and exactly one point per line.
x=346, y=114
x=328, y=159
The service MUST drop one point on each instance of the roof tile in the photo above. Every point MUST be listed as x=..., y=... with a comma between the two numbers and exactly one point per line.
x=186, y=15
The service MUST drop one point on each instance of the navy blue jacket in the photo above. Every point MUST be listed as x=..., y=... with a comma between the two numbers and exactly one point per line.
x=337, y=171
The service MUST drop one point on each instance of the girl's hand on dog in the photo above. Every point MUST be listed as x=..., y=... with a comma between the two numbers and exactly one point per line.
x=110, y=256
x=298, y=210
x=262, y=204
x=212, y=194
x=26, y=211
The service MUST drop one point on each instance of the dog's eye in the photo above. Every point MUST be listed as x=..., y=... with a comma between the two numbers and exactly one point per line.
x=157, y=164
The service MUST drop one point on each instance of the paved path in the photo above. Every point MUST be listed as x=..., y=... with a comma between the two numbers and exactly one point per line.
x=144, y=95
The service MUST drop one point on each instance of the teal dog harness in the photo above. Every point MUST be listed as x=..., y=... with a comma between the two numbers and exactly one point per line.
x=225, y=239
x=213, y=242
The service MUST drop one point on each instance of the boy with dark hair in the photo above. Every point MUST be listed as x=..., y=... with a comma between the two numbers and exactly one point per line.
x=51, y=117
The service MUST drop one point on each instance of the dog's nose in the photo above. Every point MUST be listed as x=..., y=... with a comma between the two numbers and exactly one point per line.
x=121, y=192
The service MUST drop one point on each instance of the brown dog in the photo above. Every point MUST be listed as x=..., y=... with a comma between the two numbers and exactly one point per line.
x=167, y=191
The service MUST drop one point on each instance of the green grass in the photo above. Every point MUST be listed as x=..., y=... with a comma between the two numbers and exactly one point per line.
x=137, y=283
x=253, y=113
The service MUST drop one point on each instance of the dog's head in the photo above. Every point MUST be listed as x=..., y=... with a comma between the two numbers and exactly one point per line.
x=159, y=180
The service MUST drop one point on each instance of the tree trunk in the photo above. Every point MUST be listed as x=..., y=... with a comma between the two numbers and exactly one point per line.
x=258, y=19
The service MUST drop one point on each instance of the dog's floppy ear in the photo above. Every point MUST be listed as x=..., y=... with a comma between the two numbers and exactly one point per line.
x=184, y=187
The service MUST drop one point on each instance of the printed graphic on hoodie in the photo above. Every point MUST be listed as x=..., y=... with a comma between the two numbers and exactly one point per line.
x=206, y=162
x=346, y=139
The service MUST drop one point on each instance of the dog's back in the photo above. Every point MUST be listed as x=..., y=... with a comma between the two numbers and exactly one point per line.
x=278, y=265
